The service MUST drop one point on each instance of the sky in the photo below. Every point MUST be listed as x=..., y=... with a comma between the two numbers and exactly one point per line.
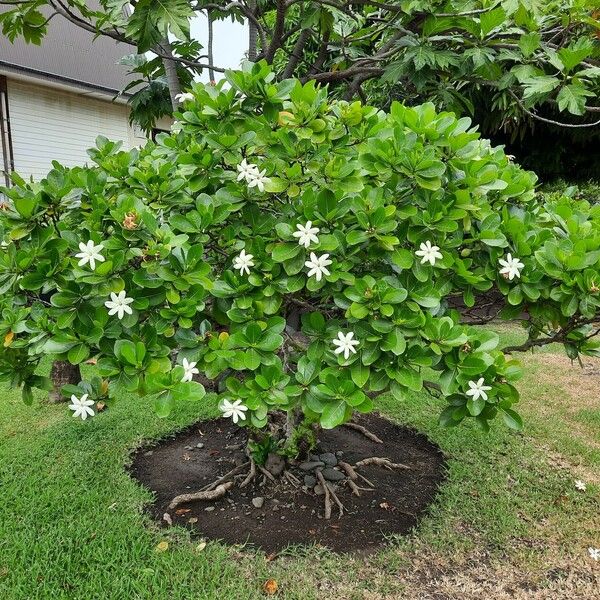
x=230, y=42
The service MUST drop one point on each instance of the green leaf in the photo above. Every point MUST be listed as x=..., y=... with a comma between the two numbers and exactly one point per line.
x=512, y=419
x=125, y=351
x=163, y=405
x=410, y=378
x=334, y=414
x=360, y=373
x=77, y=354
x=282, y=251
x=529, y=43
x=491, y=19
x=190, y=391
x=27, y=395
x=572, y=98
x=475, y=406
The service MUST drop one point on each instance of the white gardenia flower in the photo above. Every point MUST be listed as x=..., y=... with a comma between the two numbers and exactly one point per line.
x=345, y=344
x=90, y=253
x=511, y=267
x=478, y=389
x=429, y=253
x=119, y=304
x=580, y=485
x=306, y=234
x=594, y=553
x=258, y=179
x=236, y=410
x=189, y=369
x=184, y=97
x=247, y=171
x=318, y=265
x=243, y=262
x=81, y=406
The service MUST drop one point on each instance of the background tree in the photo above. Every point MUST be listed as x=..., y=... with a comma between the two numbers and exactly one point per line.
x=509, y=62
x=303, y=254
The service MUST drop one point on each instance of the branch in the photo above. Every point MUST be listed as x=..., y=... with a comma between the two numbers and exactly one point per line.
x=561, y=337
x=277, y=31
x=296, y=55
x=551, y=121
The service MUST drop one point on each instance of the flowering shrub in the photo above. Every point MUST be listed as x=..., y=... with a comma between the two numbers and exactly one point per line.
x=302, y=254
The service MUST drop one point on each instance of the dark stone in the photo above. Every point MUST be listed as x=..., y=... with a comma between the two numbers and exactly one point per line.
x=275, y=464
x=333, y=475
x=309, y=481
x=329, y=459
x=311, y=465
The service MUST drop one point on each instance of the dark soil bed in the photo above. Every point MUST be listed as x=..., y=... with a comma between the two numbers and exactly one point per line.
x=293, y=515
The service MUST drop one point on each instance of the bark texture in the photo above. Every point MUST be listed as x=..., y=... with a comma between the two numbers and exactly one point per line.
x=62, y=373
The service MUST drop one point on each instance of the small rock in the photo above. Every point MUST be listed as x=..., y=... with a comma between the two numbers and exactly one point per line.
x=328, y=458
x=339, y=454
x=149, y=453
x=275, y=464
x=332, y=475
x=282, y=517
x=209, y=508
x=309, y=481
x=313, y=457
x=200, y=445
x=258, y=502
x=318, y=490
x=188, y=448
x=311, y=465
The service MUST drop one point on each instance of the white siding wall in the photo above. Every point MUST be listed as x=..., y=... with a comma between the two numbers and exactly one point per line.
x=49, y=124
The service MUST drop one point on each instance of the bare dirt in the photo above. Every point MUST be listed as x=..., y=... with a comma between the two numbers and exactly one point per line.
x=293, y=514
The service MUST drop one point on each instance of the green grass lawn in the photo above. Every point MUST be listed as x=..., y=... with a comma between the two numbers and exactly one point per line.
x=508, y=518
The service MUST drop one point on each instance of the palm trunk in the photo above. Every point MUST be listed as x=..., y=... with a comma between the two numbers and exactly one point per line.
x=62, y=373
x=252, y=33
x=171, y=73
x=211, y=58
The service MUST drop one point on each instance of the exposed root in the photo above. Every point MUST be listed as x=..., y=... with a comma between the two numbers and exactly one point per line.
x=329, y=493
x=225, y=477
x=215, y=494
x=251, y=474
x=266, y=473
x=292, y=478
x=348, y=469
x=353, y=487
x=327, y=498
x=386, y=463
x=368, y=434
x=366, y=480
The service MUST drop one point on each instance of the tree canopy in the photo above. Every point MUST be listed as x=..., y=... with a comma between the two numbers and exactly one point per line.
x=303, y=253
x=520, y=60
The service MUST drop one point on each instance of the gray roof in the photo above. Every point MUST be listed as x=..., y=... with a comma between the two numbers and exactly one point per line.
x=70, y=55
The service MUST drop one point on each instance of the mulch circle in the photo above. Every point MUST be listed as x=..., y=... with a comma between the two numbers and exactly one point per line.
x=293, y=515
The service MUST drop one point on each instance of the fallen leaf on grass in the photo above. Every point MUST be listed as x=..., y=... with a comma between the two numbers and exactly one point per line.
x=200, y=546
x=8, y=338
x=161, y=547
x=270, y=587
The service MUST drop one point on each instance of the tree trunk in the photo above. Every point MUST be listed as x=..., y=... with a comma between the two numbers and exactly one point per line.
x=252, y=33
x=62, y=373
x=171, y=73
x=211, y=58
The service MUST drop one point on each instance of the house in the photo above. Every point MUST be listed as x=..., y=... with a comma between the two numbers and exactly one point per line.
x=55, y=99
